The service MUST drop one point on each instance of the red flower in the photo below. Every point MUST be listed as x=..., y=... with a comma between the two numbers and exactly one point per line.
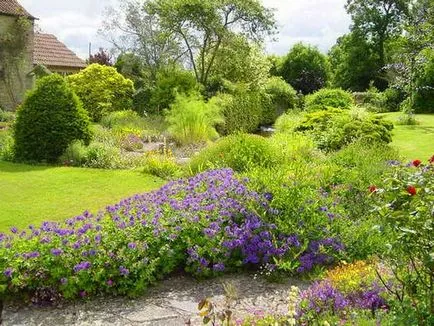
x=416, y=163
x=411, y=190
x=431, y=160
x=372, y=189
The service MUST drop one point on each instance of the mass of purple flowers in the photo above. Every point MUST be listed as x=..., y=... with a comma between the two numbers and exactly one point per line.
x=323, y=298
x=207, y=224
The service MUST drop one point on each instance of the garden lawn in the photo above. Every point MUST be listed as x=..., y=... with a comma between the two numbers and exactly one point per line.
x=32, y=194
x=414, y=142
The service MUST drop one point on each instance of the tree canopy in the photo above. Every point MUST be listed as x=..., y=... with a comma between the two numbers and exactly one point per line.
x=305, y=68
x=204, y=25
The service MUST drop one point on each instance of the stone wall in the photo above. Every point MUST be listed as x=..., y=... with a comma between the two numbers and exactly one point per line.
x=12, y=94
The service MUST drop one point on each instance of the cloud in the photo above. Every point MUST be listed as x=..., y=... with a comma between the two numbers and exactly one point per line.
x=76, y=22
x=318, y=22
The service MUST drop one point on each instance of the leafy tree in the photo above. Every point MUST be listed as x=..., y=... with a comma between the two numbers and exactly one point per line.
x=169, y=83
x=354, y=63
x=102, y=57
x=410, y=70
x=424, y=96
x=133, y=28
x=102, y=90
x=50, y=119
x=305, y=68
x=131, y=66
x=240, y=61
x=378, y=20
x=205, y=25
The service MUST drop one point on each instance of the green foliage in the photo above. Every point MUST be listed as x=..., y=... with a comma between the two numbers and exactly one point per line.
x=6, y=116
x=126, y=118
x=239, y=152
x=241, y=108
x=329, y=98
x=334, y=128
x=102, y=156
x=393, y=98
x=168, y=84
x=162, y=164
x=191, y=120
x=14, y=39
x=305, y=68
x=102, y=90
x=378, y=21
x=405, y=204
x=204, y=26
x=424, y=98
x=6, y=146
x=278, y=98
x=287, y=122
x=50, y=119
x=354, y=63
x=239, y=61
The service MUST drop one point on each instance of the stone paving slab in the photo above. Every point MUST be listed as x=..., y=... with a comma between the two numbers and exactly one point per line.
x=171, y=303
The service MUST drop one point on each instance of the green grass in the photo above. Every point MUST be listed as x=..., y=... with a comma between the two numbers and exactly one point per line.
x=31, y=194
x=414, y=142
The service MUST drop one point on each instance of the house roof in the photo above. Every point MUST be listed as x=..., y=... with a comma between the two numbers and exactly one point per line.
x=13, y=8
x=50, y=52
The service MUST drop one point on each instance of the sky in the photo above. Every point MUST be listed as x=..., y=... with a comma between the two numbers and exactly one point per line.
x=76, y=22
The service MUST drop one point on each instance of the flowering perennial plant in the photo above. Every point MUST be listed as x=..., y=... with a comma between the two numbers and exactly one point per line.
x=405, y=205
x=207, y=224
x=351, y=287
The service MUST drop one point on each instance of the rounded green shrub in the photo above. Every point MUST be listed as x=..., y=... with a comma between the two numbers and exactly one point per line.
x=278, y=97
x=334, y=128
x=325, y=98
x=50, y=119
x=305, y=68
x=239, y=152
x=102, y=90
x=241, y=108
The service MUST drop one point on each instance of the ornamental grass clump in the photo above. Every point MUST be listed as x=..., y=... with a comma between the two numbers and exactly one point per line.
x=207, y=224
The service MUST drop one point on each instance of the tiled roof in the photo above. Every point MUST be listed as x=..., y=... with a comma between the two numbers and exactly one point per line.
x=13, y=8
x=49, y=51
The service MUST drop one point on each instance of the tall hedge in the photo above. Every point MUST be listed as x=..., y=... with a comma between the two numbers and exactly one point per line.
x=50, y=119
x=102, y=90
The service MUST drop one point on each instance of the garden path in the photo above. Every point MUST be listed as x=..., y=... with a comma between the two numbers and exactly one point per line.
x=173, y=302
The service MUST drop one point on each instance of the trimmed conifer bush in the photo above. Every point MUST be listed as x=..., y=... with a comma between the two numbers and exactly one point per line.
x=50, y=119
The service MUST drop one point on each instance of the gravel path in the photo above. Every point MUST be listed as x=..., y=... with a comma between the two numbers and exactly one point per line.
x=172, y=302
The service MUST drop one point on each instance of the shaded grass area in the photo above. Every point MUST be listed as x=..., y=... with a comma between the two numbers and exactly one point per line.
x=32, y=194
x=414, y=142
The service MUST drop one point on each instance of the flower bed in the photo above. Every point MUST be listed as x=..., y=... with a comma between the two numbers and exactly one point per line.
x=206, y=224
